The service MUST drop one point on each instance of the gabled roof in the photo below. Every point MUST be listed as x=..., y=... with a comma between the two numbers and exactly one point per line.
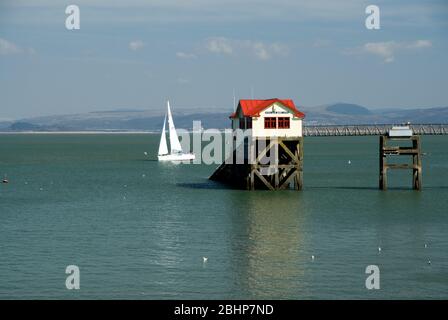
x=252, y=108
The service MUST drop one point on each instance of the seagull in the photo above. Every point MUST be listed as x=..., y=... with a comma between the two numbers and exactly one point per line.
x=312, y=257
x=204, y=259
x=349, y=162
x=379, y=249
x=429, y=262
x=145, y=153
x=426, y=246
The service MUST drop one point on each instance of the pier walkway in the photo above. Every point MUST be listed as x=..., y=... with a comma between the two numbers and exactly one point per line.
x=370, y=130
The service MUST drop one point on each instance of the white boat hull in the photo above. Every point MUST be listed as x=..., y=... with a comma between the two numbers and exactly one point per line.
x=177, y=157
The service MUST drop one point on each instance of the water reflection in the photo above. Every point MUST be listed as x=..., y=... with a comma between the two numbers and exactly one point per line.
x=274, y=256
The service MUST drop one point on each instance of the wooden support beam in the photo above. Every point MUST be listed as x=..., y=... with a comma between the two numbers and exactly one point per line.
x=401, y=166
x=273, y=166
x=265, y=151
x=414, y=151
x=252, y=179
x=298, y=180
x=292, y=155
x=285, y=167
x=266, y=183
x=287, y=181
x=383, y=169
x=416, y=161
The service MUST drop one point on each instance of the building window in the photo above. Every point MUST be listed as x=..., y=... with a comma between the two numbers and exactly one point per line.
x=245, y=123
x=283, y=123
x=249, y=123
x=270, y=123
x=242, y=124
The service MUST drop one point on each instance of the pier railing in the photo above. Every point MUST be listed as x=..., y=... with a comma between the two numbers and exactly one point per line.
x=370, y=129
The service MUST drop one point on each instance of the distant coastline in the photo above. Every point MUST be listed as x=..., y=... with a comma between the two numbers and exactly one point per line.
x=147, y=121
x=77, y=132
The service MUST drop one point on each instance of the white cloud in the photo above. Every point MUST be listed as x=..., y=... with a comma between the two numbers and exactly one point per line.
x=136, y=45
x=7, y=47
x=420, y=44
x=265, y=51
x=219, y=45
x=259, y=49
x=387, y=50
x=183, y=55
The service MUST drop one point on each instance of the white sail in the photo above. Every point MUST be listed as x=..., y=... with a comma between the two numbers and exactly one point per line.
x=174, y=140
x=163, y=147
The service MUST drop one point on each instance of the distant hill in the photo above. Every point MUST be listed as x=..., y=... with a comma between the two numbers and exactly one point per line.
x=348, y=109
x=119, y=120
x=428, y=115
x=147, y=120
x=5, y=124
x=342, y=113
x=24, y=126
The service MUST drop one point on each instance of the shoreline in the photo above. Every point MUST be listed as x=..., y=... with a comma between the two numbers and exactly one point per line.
x=77, y=132
x=88, y=132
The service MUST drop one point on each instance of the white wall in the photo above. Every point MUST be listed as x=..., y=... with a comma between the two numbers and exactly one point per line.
x=276, y=110
x=295, y=124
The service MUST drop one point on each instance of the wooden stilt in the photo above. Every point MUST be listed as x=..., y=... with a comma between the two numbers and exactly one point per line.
x=286, y=166
x=414, y=151
x=383, y=169
x=417, y=166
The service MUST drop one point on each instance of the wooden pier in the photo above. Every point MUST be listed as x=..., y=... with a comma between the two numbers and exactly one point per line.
x=271, y=164
x=396, y=150
x=370, y=130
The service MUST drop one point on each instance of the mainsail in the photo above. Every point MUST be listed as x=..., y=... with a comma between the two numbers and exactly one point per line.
x=163, y=147
x=174, y=140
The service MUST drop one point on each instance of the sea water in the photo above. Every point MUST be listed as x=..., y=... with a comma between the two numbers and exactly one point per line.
x=140, y=229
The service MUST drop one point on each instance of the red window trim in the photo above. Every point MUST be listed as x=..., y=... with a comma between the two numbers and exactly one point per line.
x=270, y=123
x=283, y=123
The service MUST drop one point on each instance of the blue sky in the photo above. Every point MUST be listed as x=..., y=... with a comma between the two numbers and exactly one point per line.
x=136, y=54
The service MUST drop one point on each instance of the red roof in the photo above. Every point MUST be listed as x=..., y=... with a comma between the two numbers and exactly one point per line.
x=252, y=108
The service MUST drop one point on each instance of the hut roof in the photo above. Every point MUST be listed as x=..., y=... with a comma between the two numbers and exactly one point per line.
x=252, y=108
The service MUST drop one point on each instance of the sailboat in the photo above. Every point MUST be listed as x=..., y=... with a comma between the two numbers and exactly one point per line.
x=176, y=153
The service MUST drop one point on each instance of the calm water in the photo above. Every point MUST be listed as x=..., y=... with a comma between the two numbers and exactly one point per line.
x=139, y=228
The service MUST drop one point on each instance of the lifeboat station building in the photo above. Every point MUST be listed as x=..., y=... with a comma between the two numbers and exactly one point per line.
x=278, y=124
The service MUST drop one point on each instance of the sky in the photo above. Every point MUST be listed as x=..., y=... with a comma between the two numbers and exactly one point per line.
x=136, y=54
